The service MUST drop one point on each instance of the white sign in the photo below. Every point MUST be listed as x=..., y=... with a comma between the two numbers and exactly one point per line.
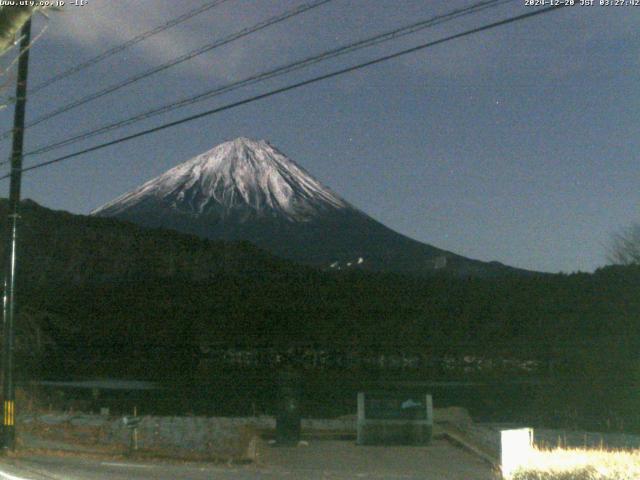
x=516, y=447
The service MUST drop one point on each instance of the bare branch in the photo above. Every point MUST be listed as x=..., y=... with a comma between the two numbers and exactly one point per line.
x=625, y=247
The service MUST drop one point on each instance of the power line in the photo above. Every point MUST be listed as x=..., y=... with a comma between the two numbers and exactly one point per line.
x=371, y=41
x=183, y=58
x=129, y=43
x=293, y=86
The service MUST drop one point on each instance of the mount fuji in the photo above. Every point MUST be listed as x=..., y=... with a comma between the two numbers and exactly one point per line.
x=248, y=190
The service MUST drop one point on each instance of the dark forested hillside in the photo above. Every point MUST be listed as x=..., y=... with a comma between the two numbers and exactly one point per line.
x=60, y=248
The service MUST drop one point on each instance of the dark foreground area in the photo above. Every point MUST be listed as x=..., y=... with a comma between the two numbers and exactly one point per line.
x=339, y=460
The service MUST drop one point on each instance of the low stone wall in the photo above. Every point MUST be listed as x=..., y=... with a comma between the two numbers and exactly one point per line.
x=187, y=437
x=217, y=438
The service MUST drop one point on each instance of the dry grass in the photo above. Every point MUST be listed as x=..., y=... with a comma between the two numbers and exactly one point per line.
x=579, y=464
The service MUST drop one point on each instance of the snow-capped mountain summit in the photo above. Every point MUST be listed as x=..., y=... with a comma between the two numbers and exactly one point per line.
x=240, y=178
x=248, y=190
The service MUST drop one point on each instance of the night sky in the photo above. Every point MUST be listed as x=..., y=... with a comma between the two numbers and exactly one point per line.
x=519, y=144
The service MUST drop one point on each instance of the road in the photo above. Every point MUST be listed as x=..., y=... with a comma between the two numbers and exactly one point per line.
x=74, y=468
x=327, y=460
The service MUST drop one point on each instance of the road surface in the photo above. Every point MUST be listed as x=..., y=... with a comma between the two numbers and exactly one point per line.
x=326, y=460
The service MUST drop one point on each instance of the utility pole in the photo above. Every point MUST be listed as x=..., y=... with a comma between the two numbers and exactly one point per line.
x=8, y=310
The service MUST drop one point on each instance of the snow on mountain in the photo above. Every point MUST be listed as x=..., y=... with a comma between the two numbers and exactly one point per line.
x=235, y=176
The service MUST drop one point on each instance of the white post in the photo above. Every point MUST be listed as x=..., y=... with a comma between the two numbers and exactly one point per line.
x=516, y=447
x=429, y=402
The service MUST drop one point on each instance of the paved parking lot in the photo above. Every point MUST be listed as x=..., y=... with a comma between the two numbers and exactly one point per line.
x=344, y=459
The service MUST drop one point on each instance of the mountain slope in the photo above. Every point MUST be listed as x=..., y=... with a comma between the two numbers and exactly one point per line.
x=60, y=247
x=248, y=190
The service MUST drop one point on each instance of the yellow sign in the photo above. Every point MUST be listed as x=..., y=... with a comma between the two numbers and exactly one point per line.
x=9, y=413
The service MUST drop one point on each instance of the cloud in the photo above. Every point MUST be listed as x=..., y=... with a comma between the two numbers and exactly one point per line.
x=103, y=24
x=533, y=50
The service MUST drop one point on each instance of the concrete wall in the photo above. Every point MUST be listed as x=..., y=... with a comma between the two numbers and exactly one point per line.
x=189, y=437
x=221, y=438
